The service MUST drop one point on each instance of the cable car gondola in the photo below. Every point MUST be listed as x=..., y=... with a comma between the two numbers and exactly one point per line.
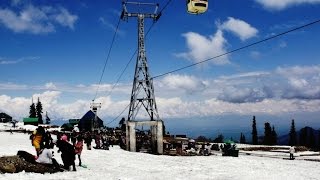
x=197, y=6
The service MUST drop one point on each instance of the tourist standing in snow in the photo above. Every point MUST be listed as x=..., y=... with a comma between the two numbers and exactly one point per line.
x=78, y=148
x=64, y=137
x=291, y=151
x=88, y=140
x=48, y=140
x=37, y=139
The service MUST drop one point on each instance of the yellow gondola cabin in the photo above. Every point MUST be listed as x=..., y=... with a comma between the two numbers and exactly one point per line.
x=197, y=6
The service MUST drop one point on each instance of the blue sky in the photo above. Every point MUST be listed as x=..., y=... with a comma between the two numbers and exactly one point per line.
x=56, y=51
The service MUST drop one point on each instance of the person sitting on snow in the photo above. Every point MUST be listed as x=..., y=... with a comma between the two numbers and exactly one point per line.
x=46, y=158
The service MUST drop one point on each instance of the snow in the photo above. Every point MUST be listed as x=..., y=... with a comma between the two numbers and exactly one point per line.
x=119, y=164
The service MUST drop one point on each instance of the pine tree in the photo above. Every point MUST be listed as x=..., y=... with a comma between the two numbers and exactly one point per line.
x=218, y=139
x=32, y=112
x=254, y=132
x=48, y=120
x=39, y=111
x=303, y=137
x=242, y=139
x=274, y=136
x=267, y=139
x=319, y=140
x=292, y=134
x=311, y=138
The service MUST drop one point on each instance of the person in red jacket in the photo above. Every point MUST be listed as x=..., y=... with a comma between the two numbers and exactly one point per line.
x=78, y=148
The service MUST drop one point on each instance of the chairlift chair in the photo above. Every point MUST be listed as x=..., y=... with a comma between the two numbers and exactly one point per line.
x=197, y=6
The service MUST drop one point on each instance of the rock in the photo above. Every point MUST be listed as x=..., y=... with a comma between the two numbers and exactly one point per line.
x=15, y=164
x=8, y=168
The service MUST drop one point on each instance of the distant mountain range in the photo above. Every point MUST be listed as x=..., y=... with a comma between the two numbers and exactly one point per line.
x=284, y=139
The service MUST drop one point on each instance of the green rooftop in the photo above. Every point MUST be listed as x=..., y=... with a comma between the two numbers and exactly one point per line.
x=30, y=120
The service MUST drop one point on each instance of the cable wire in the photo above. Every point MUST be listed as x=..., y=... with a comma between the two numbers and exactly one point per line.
x=107, y=59
x=165, y=6
x=133, y=55
x=238, y=49
x=118, y=115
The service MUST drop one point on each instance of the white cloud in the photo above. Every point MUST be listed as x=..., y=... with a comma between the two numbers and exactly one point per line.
x=65, y=18
x=50, y=86
x=176, y=108
x=282, y=4
x=36, y=20
x=283, y=90
x=109, y=25
x=242, y=95
x=202, y=48
x=255, y=54
x=6, y=62
x=11, y=86
x=182, y=83
x=240, y=28
x=16, y=2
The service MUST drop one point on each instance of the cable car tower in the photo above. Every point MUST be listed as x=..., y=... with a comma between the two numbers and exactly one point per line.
x=142, y=91
x=142, y=95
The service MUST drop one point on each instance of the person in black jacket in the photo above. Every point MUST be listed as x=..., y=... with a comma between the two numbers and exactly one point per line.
x=68, y=154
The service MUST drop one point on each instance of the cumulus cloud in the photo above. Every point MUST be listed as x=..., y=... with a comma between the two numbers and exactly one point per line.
x=298, y=82
x=18, y=107
x=243, y=95
x=178, y=108
x=240, y=28
x=180, y=83
x=282, y=4
x=65, y=18
x=301, y=82
x=202, y=48
x=36, y=20
x=283, y=90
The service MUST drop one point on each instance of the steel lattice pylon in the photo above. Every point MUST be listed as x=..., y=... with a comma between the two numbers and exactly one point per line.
x=142, y=94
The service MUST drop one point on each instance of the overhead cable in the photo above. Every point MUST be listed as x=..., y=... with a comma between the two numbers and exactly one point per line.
x=241, y=48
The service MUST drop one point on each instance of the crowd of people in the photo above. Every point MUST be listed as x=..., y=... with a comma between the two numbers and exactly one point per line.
x=70, y=145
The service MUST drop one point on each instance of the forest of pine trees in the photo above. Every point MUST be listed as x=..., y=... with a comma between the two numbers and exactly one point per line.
x=36, y=111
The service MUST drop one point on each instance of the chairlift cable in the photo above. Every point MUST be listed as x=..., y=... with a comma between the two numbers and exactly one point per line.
x=108, y=57
x=118, y=115
x=241, y=48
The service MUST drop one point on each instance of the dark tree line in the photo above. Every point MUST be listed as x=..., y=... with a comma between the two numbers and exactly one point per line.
x=36, y=111
x=270, y=135
x=242, y=139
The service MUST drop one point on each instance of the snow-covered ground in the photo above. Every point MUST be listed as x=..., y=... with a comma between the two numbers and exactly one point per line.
x=119, y=164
